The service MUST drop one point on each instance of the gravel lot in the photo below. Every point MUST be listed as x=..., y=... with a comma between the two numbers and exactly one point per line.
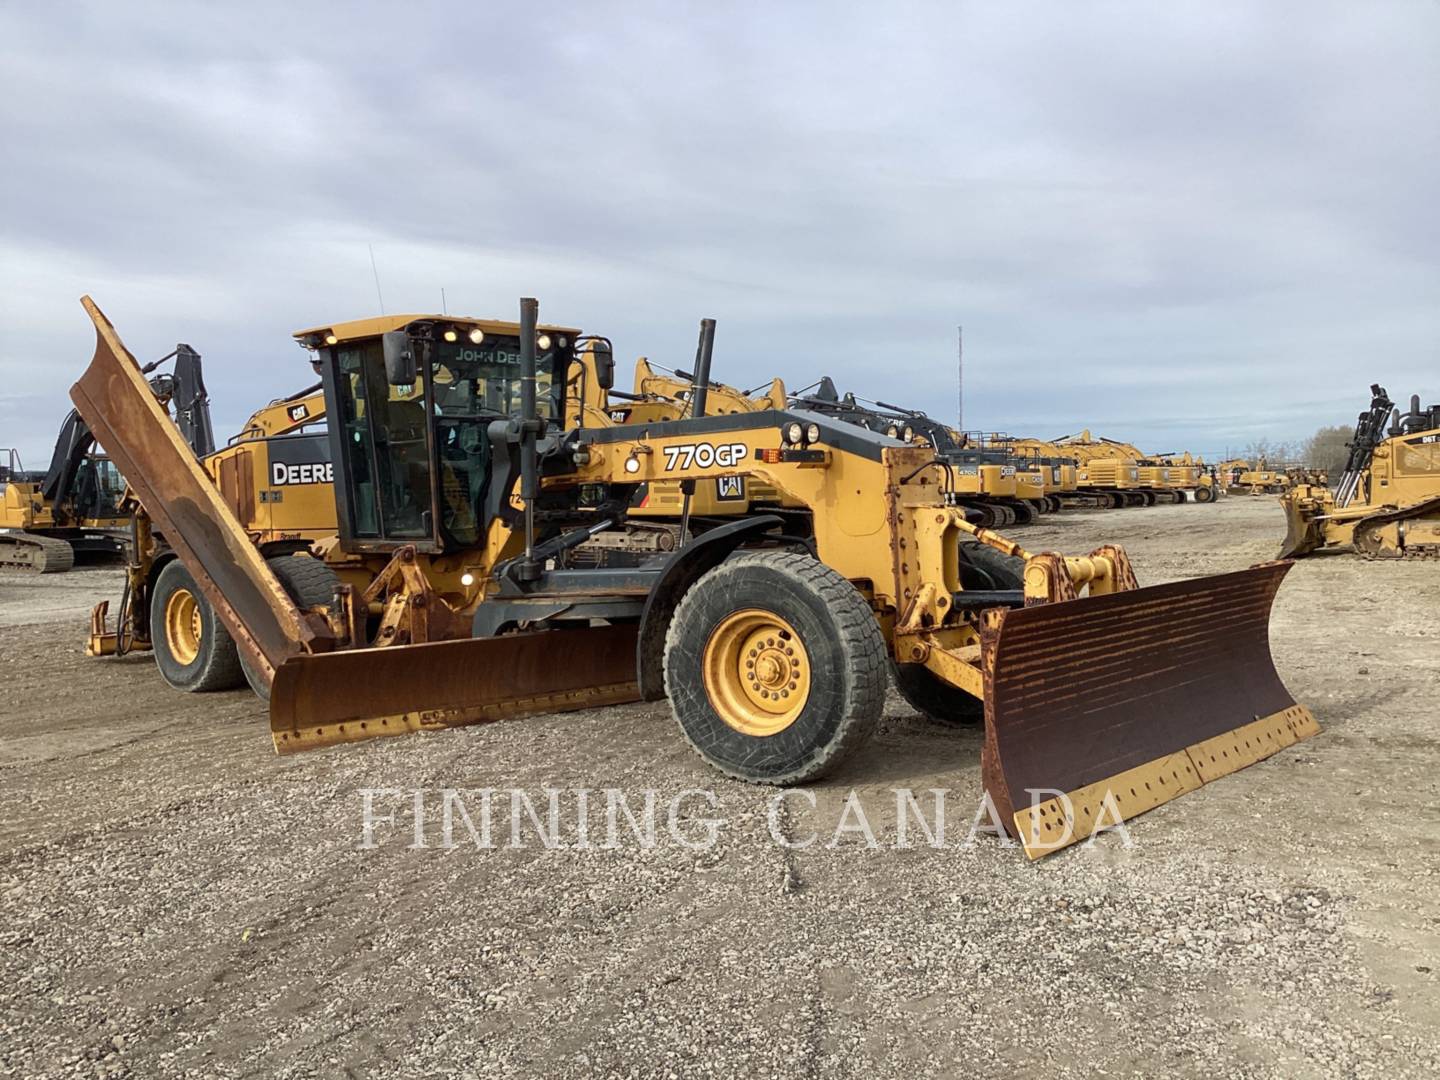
x=180, y=902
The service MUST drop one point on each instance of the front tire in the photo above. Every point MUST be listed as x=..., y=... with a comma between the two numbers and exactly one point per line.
x=308, y=582
x=775, y=668
x=193, y=650
x=931, y=695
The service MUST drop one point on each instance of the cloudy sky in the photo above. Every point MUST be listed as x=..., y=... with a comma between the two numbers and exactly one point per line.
x=1186, y=224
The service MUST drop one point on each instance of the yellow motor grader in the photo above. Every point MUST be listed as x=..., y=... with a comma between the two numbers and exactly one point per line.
x=1100, y=699
x=1387, y=502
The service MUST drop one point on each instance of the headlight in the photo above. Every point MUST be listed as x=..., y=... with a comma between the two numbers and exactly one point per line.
x=893, y=431
x=562, y=341
x=477, y=336
x=909, y=435
x=794, y=433
x=812, y=433
x=467, y=579
x=543, y=342
x=632, y=464
x=451, y=335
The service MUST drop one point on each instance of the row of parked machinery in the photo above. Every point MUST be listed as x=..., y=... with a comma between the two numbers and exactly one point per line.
x=73, y=510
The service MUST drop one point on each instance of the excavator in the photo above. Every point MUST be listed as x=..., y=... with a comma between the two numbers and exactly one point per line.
x=1100, y=699
x=993, y=487
x=75, y=510
x=1387, y=502
x=1121, y=473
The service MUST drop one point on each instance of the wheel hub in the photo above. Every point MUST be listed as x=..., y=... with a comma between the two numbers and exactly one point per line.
x=184, y=627
x=757, y=672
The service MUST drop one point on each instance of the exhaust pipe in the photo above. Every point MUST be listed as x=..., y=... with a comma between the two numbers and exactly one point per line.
x=530, y=425
x=703, y=353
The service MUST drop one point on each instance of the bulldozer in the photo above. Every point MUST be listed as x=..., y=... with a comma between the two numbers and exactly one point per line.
x=1099, y=699
x=1387, y=502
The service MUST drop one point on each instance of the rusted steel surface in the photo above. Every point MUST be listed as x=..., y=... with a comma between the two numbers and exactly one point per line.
x=1081, y=691
x=116, y=401
x=345, y=696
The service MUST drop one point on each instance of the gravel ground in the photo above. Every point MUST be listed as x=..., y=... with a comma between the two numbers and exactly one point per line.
x=180, y=902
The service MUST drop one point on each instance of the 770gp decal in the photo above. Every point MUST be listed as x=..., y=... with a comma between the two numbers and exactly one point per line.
x=703, y=455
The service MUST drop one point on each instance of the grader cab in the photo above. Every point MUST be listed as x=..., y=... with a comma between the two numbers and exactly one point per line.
x=773, y=643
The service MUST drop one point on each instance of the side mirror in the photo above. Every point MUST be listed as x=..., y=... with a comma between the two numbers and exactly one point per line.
x=400, y=369
x=604, y=357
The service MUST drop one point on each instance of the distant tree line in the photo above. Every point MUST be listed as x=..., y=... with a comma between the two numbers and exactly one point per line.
x=1326, y=450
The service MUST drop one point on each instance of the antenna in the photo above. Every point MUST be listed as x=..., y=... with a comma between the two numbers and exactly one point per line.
x=443, y=309
x=376, y=272
x=959, y=378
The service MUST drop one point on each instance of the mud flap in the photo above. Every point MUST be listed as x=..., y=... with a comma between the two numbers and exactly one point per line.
x=1112, y=705
x=328, y=698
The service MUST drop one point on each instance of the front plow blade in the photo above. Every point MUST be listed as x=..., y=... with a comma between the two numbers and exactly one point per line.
x=328, y=698
x=1119, y=703
x=1303, y=531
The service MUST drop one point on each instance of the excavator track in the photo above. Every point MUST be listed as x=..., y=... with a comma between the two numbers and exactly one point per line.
x=1371, y=542
x=31, y=551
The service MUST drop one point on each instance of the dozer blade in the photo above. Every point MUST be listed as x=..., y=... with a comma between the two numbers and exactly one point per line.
x=1303, y=532
x=327, y=698
x=1127, y=700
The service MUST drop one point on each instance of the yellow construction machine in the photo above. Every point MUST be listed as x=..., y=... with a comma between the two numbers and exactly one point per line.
x=1387, y=503
x=49, y=519
x=1128, y=477
x=75, y=509
x=1100, y=699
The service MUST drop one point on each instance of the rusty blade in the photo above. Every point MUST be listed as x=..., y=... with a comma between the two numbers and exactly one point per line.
x=328, y=698
x=1130, y=694
x=118, y=404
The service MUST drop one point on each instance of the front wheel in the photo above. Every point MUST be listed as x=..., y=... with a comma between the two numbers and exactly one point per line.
x=929, y=694
x=775, y=668
x=308, y=582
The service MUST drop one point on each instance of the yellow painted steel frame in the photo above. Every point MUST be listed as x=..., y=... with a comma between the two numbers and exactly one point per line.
x=901, y=551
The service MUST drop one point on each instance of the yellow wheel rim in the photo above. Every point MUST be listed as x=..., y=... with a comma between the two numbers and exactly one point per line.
x=757, y=673
x=183, y=626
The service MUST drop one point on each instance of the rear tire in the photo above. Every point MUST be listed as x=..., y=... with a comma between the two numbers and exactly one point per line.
x=308, y=582
x=763, y=624
x=193, y=650
x=1204, y=495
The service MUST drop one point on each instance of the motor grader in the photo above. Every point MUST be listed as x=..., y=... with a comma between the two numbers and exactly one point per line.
x=1098, y=697
x=1387, y=502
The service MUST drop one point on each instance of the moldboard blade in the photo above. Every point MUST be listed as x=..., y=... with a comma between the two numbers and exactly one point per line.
x=1136, y=697
x=328, y=698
